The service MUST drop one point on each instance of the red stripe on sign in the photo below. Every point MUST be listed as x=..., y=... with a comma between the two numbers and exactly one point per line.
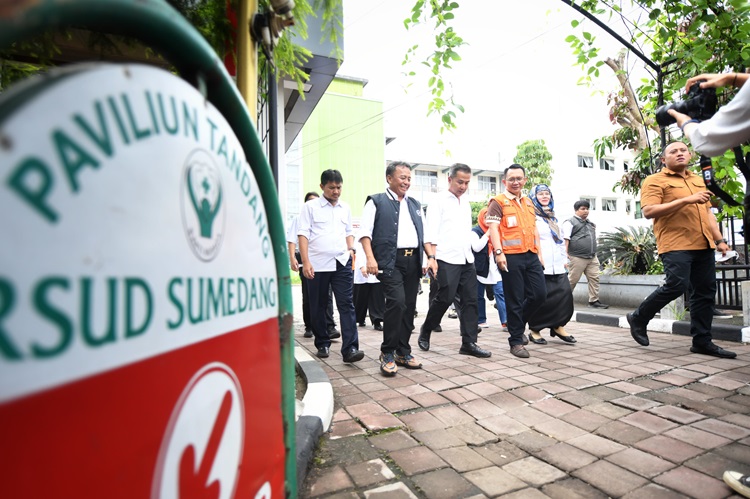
x=101, y=436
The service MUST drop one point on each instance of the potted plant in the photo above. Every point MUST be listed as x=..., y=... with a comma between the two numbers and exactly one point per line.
x=631, y=267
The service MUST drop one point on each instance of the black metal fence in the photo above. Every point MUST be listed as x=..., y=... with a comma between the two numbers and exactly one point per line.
x=730, y=275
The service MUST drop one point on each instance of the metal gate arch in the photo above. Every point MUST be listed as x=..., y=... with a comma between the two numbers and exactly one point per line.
x=159, y=26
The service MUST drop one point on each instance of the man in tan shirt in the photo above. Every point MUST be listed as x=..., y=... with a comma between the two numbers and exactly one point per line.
x=686, y=237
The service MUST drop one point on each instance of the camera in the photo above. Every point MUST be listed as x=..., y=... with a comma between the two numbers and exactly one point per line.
x=700, y=104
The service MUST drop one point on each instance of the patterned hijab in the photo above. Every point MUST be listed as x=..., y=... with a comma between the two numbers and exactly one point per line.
x=547, y=213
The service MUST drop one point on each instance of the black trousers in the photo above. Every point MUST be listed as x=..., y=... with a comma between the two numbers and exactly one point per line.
x=455, y=282
x=694, y=270
x=340, y=281
x=525, y=291
x=369, y=296
x=306, y=302
x=400, y=289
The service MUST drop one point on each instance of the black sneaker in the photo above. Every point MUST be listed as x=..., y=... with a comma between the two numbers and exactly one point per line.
x=333, y=333
x=308, y=333
x=438, y=329
x=353, y=355
x=597, y=304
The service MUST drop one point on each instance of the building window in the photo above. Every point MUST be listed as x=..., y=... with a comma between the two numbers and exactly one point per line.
x=638, y=212
x=626, y=165
x=609, y=205
x=585, y=161
x=425, y=181
x=592, y=203
x=628, y=206
x=607, y=164
x=487, y=184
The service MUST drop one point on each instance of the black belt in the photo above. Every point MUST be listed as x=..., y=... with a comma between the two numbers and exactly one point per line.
x=406, y=251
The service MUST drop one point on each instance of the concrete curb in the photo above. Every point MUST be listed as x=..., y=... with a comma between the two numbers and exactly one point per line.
x=726, y=332
x=317, y=410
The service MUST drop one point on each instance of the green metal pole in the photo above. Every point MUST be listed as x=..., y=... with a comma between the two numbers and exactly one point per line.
x=158, y=25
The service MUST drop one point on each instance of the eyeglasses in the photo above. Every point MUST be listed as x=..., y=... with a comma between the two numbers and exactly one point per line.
x=516, y=180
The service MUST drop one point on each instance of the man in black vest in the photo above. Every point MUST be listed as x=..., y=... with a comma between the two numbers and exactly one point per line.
x=392, y=237
x=580, y=242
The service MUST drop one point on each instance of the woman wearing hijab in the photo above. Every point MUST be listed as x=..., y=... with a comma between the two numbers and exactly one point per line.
x=558, y=307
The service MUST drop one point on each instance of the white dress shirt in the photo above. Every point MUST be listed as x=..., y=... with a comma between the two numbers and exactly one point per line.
x=291, y=233
x=478, y=244
x=407, y=232
x=728, y=128
x=449, y=227
x=326, y=228
x=360, y=262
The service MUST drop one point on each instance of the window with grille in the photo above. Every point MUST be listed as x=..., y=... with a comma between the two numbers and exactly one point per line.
x=425, y=181
x=592, y=203
x=607, y=164
x=585, y=161
x=609, y=205
x=626, y=166
x=487, y=184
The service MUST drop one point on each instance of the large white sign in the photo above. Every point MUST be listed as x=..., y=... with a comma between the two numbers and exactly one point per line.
x=160, y=165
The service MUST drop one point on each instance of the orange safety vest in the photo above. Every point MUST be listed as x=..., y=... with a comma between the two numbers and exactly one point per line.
x=518, y=225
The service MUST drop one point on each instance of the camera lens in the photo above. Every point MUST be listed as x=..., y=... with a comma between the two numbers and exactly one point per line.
x=662, y=117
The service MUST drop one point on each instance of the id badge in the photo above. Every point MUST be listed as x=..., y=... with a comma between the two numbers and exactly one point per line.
x=512, y=221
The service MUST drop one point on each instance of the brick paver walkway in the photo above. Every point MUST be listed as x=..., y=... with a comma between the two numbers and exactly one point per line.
x=602, y=418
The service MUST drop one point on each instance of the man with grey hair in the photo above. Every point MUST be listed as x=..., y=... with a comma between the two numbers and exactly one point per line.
x=451, y=261
x=392, y=238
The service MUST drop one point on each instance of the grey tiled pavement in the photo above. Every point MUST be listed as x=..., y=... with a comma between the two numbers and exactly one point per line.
x=602, y=418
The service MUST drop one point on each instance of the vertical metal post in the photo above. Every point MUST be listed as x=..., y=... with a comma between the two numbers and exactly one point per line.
x=660, y=102
x=273, y=123
x=247, y=55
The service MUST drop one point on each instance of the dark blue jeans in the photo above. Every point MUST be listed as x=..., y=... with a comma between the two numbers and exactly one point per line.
x=690, y=269
x=340, y=282
x=497, y=290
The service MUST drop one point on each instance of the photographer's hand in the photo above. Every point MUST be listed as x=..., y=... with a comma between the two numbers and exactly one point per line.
x=718, y=80
x=680, y=118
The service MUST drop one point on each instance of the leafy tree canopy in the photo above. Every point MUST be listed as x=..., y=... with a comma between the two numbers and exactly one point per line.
x=534, y=157
x=682, y=38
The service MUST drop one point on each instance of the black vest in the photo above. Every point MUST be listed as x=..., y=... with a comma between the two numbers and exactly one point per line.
x=385, y=229
x=481, y=257
x=582, y=238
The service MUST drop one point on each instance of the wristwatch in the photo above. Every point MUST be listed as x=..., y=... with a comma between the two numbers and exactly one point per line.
x=720, y=241
x=498, y=252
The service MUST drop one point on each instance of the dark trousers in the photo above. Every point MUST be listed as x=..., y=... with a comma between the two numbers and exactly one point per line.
x=694, y=270
x=400, y=289
x=306, y=302
x=525, y=290
x=369, y=296
x=340, y=281
x=455, y=281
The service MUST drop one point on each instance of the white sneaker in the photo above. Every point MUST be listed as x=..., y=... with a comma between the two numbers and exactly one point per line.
x=738, y=482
